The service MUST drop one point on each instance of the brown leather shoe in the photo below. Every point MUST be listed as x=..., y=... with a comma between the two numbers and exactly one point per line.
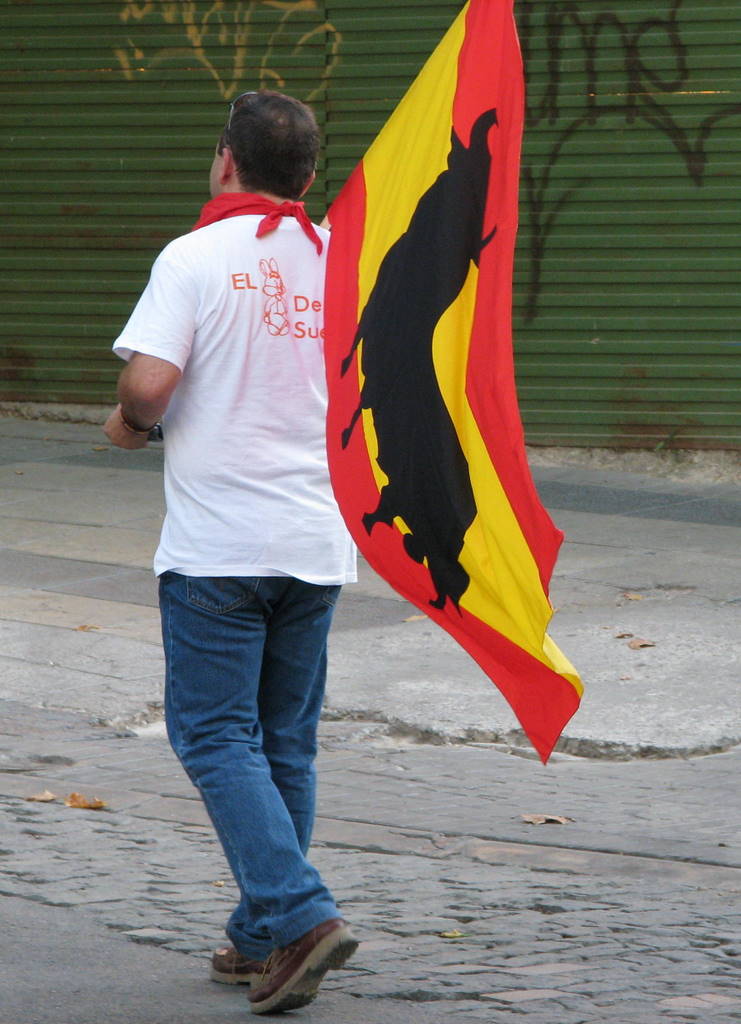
x=229, y=967
x=293, y=973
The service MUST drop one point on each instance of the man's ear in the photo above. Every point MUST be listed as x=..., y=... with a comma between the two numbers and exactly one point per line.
x=308, y=184
x=228, y=166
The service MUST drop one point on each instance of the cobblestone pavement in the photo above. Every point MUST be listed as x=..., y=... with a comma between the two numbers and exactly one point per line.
x=629, y=913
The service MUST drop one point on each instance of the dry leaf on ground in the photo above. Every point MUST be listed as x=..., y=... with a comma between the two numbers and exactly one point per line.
x=219, y=884
x=545, y=819
x=637, y=643
x=633, y=597
x=623, y=636
x=100, y=447
x=414, y=618
x=85, y=629
x=84, y=802
x=453, y=934
x=43, y=798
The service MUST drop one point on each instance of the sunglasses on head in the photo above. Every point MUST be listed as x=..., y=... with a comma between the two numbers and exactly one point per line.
x=235, y=105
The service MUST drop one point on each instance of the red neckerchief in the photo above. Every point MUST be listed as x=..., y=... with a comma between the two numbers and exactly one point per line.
x=235, y=204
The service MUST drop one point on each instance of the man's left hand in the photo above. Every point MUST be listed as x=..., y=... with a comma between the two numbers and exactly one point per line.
x=120, y=435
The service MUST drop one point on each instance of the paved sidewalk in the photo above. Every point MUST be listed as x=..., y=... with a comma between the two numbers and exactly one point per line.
x=629, y=913
x=645, y=558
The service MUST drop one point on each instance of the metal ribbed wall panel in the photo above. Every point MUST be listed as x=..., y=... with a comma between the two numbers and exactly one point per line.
x=626, y=285
x=628, y=267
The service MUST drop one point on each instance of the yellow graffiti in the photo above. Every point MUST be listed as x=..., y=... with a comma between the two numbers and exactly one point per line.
x=125, y=62
x=211, y=32
x=136, y=11
x=285, y=5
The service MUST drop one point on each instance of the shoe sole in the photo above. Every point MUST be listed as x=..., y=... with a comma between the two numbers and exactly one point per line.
x=301, y=988
x=234, y=979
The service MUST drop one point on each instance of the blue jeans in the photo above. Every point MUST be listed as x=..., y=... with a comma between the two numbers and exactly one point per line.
x=246, y=664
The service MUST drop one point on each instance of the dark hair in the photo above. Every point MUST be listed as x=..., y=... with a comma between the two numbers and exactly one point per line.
x=274, y=140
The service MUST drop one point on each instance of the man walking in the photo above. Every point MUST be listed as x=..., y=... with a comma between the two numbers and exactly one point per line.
x=226, y=345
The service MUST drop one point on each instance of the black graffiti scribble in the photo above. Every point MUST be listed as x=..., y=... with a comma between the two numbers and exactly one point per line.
x=637, y=99
x=418, y=449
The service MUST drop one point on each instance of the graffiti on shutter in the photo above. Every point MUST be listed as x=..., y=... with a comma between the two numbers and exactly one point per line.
x=649, y=58
x=208, y=31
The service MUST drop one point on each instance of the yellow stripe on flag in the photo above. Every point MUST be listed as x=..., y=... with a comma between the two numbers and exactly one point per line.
x=505, y=588
x=416, y=149
x=408, y=156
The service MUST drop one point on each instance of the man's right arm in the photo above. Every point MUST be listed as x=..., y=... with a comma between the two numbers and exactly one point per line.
x=156, y=341
x=145, y=387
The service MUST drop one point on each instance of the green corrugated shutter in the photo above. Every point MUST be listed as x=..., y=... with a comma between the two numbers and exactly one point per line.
x=626, y=285
x=628, y=262
x=110, y=114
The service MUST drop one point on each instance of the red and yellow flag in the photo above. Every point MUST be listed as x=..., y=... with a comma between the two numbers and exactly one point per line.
x=425, y=442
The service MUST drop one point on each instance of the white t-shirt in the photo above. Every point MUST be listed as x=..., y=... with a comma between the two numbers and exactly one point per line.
x=246, y=480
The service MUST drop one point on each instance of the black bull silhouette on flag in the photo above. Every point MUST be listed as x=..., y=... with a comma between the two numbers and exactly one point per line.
x=429, y=485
